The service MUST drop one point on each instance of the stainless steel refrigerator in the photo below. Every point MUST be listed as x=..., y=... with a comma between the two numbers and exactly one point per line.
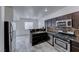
x=9, y=36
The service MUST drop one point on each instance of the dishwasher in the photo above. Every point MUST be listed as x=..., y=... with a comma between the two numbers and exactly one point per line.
x=51, y=39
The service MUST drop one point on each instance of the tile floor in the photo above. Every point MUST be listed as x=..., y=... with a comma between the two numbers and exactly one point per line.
x=43, y=47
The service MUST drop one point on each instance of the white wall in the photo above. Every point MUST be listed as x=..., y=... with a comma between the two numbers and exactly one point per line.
x=20, y=25
x=40, y=23
x=8, y=13
x=64, y=11
x=22, y=36
x=1, y=29
x=20, y=13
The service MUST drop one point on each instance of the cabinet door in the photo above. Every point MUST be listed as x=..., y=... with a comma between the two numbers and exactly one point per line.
x=46, y=24
x=53, y=22
x=75, y=18
x=75, y=49
x=49, y=23
x=74, y=46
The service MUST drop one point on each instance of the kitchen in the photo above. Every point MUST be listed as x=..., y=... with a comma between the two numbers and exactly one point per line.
x=41, y=28
x=65, y=35
x=63, y=32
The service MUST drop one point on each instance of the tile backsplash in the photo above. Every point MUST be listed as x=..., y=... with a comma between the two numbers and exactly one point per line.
x=64, y=29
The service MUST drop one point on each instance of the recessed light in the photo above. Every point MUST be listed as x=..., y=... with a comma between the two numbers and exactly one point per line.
x=46, y=10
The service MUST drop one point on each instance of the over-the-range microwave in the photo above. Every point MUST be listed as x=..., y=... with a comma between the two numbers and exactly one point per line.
x=64, y=23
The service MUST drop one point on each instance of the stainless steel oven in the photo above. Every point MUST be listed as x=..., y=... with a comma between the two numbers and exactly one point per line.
x=61, y=45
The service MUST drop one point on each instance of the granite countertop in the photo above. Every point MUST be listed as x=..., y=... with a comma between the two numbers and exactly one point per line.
x=64, y=37
x=52, y=33
x=39, y=32
x=76, y=39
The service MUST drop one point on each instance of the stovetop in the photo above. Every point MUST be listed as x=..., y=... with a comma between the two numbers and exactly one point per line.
x=65, y=37
x=62, y=36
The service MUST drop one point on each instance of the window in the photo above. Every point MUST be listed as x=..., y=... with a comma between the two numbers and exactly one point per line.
x=28, y=25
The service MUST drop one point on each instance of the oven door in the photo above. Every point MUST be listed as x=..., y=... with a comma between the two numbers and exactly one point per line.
x=61, y=45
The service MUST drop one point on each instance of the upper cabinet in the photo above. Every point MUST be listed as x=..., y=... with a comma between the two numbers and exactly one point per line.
x=53, y=22
x=72, y=17
x=75, y=18
x=48, y=23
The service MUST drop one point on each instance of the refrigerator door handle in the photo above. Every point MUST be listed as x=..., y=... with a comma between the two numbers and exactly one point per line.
x=11, y=31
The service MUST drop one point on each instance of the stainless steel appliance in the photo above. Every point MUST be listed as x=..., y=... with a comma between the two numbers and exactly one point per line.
x=9, y=35
x=64, y=23
x=51, y=39
x=62, y=43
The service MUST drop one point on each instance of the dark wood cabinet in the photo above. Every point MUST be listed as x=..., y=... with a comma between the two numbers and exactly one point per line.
x=74, y=46
x=75, y=18
x=53, y=22
x=39, y=38
x=48, y=23
x=75, y=49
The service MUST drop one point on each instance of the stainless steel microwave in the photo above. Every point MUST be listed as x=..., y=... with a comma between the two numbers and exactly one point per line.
x=64, y=23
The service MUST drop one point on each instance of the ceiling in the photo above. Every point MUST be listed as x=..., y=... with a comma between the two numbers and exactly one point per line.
x=38, y=11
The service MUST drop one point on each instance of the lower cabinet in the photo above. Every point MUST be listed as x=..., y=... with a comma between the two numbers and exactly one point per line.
x=75, y=49
x=74, y=46
x=39, y=38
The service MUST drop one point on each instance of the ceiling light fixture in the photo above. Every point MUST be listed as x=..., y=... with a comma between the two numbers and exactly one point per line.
x=46, y=10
